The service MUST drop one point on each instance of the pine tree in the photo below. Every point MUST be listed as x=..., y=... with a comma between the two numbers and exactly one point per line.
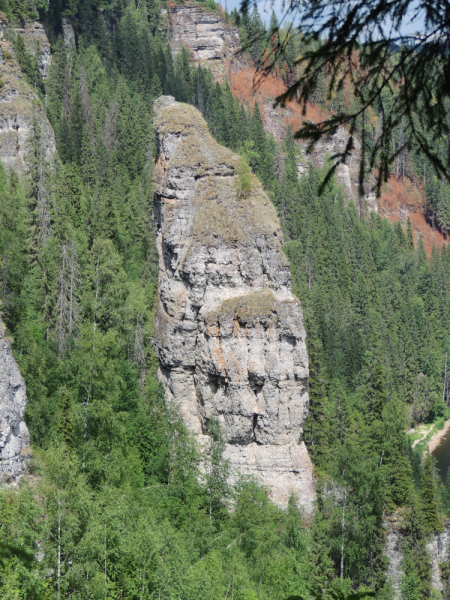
x=315, y=431
x=410, y=582
x=68, y=310
x=374, y=393
x=38, y=195
x=409, y=234
x=399, y=478
x=428, y=497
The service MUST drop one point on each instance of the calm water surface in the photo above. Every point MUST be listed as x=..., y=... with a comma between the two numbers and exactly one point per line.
x=442, y=455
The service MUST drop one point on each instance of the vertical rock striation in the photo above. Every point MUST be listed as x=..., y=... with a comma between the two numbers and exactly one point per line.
x=14, y=436
x=228, y=331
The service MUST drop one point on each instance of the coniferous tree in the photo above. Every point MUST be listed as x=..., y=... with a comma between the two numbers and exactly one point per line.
x=428, y=497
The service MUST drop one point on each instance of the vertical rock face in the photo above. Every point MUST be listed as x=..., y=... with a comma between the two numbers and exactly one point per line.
x=346, y=174
x=14, y=436
x=19, y=104
x=3, y=25
x=394, y=554
x=68, y=33
x=228, y=332
x=206, y=35
x=437, y=549
x=37, y=44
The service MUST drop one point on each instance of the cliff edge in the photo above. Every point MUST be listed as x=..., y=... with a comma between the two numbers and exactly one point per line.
x=14, y=436
x=228, y=332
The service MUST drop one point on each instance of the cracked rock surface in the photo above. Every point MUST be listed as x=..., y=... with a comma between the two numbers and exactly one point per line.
x=14, y=436
x=228, y=331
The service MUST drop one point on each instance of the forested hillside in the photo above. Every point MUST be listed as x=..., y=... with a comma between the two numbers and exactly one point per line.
x=114, y=506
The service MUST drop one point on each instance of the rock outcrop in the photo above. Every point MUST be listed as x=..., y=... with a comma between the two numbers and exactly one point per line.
x=437, y=549
x=205, y=34
x=346, y=174
x=3, y=25
x=14, y=436
x=37, y=43
x=393, y=552
x=228, y=331
x=19, y=105
x=68, y=33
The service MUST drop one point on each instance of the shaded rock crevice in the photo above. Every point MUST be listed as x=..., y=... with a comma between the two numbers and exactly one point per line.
x=228, y=331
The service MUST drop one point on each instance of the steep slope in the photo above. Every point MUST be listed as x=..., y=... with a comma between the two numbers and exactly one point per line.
x=14, y=436
x=400, y=198
x=19, y=105
x=228, y=332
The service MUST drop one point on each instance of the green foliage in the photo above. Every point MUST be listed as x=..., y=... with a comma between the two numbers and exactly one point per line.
x=429, y=505
x=8, y=551
x=244, y=178
x=322, y=594
x=27, y=63
x=125, y=504
x=23, y=11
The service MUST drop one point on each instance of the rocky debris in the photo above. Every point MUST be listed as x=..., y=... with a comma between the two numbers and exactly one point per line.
x=68, y=32
x=14, y=436
x=19, y=104
x=228, y=332
x=205, y=34
x=37, y=44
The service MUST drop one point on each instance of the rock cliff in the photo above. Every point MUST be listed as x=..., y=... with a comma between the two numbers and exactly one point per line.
x=275, y=121
x=437, y=549
x=19, y=104
x=228, y=331
x=206, y=35
x=36, y=42
x=14, y=436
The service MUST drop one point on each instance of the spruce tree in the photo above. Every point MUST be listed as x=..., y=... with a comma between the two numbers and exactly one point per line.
x=428, y=497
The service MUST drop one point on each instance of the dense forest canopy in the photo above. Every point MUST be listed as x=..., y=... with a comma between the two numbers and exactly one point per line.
x=115, y=506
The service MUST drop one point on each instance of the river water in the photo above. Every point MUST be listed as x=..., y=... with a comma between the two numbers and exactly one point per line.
x=442, y=455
